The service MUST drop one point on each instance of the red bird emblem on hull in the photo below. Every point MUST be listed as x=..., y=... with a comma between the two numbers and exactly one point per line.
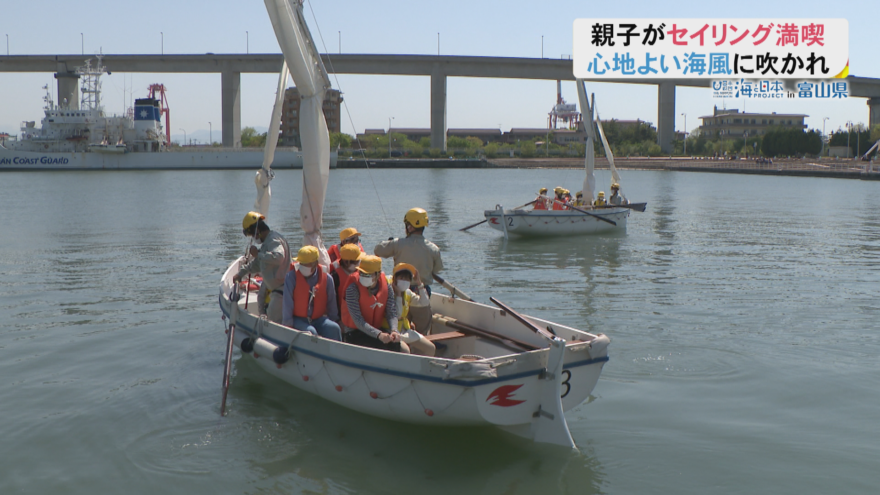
x=502, y=396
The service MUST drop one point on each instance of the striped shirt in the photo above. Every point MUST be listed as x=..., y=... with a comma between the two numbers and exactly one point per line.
x=353, y=300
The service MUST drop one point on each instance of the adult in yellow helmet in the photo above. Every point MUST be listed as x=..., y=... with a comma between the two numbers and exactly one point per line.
x=579, y=198
x=600, y=199
x=271, y=260
x=347, y=236
x=617, y=198
x=310, y=297
x=406, y=276
x=414, y=249
x=369, y=314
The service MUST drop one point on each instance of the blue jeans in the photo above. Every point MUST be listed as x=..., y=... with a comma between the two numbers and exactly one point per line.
x=323, y=326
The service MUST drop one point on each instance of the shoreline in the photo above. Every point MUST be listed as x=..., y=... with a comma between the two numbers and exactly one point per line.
x=796, y=167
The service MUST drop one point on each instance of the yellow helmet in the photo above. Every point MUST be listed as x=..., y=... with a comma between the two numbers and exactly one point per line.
x=579, y=194
x=601, y=194
x=405, y=267
x=349, y=232
x=251, y=219
x=558, y=190
x=370, y=264
x=615, y=186
x=542, y=190
x=350, y=252
x=416, y=217
x=307, y=254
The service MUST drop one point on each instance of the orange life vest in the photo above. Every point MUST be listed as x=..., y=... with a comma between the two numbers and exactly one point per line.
x=372, y=307
x=540, y=203
x=557, y=204
x=302, y=293
x=345, y=279
x=333, y=252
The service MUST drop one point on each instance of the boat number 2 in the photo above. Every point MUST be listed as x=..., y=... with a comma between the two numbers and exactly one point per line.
x=510, y=221
x=567, y=374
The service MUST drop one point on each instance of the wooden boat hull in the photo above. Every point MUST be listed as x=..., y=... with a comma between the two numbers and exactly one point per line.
x=517, y=391
x=556, y=222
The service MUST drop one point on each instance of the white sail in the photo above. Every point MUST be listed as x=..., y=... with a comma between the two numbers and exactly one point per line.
x=265, y=174
x=590, y=152
x=615, y=177
x=312, y=81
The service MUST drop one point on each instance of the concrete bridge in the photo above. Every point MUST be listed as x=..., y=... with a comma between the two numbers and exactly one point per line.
x=438, y=68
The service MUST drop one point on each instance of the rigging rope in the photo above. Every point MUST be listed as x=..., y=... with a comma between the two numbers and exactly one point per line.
x=351, y=121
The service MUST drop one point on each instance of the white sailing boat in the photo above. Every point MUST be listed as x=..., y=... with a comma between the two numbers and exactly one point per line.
x=493, y=366
x=576, y=220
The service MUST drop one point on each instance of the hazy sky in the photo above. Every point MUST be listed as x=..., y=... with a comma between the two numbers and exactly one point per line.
x=513, y=28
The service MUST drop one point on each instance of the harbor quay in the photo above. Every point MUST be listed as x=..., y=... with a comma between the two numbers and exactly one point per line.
x=798, y=167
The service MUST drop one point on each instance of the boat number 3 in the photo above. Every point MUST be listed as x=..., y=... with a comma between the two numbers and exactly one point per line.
x=567, y=374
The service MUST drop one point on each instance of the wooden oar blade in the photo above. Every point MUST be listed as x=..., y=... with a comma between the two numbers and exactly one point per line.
x=474, y=225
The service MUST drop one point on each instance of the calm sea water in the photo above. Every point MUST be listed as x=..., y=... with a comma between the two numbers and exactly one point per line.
x=743, y=313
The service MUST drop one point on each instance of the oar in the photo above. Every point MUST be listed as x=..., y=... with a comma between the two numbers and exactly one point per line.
x=486, y=220
x=632, y=206
x=521, y=319
x=573, y=207
x=452, y=289
x=230, y=341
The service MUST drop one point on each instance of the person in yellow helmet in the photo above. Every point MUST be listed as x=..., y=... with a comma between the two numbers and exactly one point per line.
x=404, y=277
x=414, y=249
x=579, y=198
x=310, y=297
x=347, y=236
x=559, y=200
x=600, y=199
x=271, y=260
x=617, y=198
x=369, y=312
x=541, y=201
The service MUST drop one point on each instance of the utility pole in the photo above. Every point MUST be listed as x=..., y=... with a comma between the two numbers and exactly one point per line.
x=438, y=44
x=685, y=133
x=82, y=41
x=823, y=136
x=247, y=42
x=389, y=136
x=210, y=134
x=184, y=136
x=542, y=46
x=163, y=42
x=848, y=123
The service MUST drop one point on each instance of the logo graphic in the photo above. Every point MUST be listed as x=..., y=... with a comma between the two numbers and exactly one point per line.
x=502, y=396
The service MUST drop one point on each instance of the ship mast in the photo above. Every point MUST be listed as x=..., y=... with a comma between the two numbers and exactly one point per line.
x=91, y=84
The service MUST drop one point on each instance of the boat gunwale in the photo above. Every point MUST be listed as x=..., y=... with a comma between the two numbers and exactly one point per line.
x=403, y=374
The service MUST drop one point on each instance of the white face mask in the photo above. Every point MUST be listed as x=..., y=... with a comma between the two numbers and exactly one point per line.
x=403, y=285
x=366, y=280
x=305, y=270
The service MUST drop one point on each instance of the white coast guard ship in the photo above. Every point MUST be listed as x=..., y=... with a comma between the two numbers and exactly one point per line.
x=85, y=138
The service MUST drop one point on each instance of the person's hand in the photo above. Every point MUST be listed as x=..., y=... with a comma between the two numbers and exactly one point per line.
x=236, y=279
x=417, y=280
x=395, y=337
x=254, y=251
x=385, y=338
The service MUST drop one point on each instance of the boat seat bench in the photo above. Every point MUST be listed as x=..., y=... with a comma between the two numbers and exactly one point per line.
x=437, y=337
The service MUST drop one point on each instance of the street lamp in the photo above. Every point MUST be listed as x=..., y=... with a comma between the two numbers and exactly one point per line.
x=389, y=136
x=685, y=133
x=163, y=42
x=247, y=42
x=82, y=42
x=823, y=135
x=340, y=44
x=210, y=135
x=438, y=44
x=858, y=141
x=7, y=45
x=849, y=124
x=542, y=46
x=184, y=136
